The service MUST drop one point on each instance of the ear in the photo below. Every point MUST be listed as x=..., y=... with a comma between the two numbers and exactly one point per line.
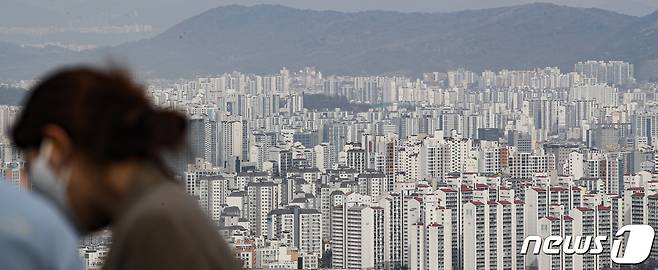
x=62, y=146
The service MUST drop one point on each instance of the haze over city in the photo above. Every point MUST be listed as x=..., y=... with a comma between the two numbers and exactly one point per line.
x=169, y=12
x=82, y=13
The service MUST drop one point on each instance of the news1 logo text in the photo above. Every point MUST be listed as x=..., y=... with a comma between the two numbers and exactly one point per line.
x=638, y=238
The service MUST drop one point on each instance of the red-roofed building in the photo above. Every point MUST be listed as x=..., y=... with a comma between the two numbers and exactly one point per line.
x=431, y=245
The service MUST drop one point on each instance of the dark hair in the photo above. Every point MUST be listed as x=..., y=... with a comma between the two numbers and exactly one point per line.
x=106, y=114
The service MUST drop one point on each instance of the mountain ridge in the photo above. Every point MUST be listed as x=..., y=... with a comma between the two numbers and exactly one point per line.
x=263, y=38
x=333, y=41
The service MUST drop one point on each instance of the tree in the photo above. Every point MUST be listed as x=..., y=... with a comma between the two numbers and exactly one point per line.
x=325, y=261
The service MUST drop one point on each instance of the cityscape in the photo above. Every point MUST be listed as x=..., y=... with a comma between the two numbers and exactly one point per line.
x=447, y=170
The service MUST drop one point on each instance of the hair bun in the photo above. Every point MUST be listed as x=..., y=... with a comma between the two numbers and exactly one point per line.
x=165, y=129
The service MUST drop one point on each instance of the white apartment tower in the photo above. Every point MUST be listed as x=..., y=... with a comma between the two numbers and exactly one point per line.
x=357, y=237
x=557, y=226
x=495, y=234
x=231, y=142
x=262, y=198
x=302, y=227
x=212, y=191
x=430, y=241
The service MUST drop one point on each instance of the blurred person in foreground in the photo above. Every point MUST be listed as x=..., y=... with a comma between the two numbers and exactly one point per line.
x=33, y=234
x=97, y=143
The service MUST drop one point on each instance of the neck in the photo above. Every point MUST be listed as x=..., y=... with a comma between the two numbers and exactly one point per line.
x=120, y=176
x=119, y=181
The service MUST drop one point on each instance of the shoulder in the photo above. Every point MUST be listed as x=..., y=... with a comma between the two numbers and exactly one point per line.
x=166, y=201
x=163, y=215
x=30, y=222
x=34, y=211
x=167, y=224
x=167, y=197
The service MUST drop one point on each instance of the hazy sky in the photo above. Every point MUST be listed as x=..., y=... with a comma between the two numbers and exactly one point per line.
x=164, y=13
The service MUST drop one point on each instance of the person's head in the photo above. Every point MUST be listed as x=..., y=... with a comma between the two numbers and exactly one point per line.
x=90, y=124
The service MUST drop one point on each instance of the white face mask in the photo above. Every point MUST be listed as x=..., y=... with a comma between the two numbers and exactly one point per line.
x=44, y=179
